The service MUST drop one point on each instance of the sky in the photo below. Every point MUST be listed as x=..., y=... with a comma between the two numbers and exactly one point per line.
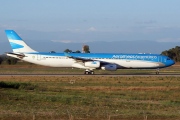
x=82, y=21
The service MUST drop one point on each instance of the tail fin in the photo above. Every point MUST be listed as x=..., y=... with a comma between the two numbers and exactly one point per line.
x=17, y=44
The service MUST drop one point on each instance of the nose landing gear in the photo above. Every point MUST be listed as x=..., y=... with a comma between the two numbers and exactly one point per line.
x=157, y=71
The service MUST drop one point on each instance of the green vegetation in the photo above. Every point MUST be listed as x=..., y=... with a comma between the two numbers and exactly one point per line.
x=1, y=60
x=8, y=60
x=70, y=51
x=89, y=97
x=16, y=85
x=85, y=49
x=173, y=53
x=29, y=68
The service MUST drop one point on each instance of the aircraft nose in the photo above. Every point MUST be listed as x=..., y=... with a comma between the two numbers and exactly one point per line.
x=171, y=62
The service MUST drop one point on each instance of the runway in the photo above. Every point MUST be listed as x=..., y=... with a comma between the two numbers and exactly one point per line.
x=105, y=75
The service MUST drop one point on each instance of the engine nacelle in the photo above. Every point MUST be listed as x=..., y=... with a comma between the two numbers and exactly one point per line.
x=110, y=67
x=92, y=64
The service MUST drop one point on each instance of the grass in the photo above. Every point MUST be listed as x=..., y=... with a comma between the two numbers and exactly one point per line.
x=89, y=98
x=28, y=68
x=49, y=70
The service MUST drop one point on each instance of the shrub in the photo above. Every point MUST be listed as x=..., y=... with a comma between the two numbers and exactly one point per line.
x=16, y=85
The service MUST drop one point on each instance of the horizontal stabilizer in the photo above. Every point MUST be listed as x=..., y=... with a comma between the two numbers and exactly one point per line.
x=20, y=55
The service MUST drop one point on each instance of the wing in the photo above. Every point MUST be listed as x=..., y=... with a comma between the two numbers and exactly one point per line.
x=78, y=59
x=93, y=64
x=83, y=60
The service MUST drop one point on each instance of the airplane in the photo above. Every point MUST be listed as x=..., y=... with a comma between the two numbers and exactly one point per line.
x=87, y=61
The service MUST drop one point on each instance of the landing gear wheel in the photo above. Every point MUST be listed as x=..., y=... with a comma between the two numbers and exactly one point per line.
x=157, y=71
x=92, y=72
x=88, y=72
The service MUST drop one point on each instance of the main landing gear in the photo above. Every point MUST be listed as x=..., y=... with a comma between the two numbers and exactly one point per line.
x=89, y=72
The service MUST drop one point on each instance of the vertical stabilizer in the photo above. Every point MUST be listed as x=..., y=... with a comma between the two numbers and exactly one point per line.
x=17, y=44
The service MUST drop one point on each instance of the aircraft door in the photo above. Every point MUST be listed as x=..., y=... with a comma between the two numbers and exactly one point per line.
x=38, y=57
x=164, y=60
x=160, y=59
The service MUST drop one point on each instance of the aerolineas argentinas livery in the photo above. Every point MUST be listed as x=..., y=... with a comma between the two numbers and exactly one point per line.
x=87, y=61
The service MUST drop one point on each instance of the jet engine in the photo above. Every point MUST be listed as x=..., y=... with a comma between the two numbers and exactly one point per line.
x=92, y=64
x=110, y=67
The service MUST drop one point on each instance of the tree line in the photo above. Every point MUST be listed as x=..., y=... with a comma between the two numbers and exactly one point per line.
x=8, y=60
x=85, y=49
x=173, y=53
